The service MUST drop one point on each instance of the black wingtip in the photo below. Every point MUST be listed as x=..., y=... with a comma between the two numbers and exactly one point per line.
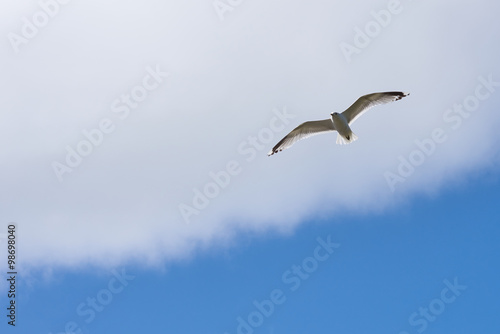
x=399, y=95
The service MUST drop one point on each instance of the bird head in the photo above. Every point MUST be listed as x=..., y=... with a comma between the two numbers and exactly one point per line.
x=334, y=113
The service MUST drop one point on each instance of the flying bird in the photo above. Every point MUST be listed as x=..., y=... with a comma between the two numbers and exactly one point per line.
x=338, y=121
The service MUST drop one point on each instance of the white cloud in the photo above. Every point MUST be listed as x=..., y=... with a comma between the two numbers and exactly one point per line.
x=226, y=77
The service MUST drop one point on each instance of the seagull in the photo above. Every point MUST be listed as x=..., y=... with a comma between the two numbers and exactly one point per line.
x=338, y=121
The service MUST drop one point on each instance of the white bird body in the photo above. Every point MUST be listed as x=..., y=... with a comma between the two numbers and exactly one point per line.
x=338, y=121
x=345, y=134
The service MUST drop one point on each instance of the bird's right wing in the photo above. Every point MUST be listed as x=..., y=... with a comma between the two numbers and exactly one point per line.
x=366, y=102
x=303, y=131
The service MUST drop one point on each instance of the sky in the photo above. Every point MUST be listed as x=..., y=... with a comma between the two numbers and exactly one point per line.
x=134, y=167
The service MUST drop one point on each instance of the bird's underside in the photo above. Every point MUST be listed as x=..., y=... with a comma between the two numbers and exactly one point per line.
x=337, y=122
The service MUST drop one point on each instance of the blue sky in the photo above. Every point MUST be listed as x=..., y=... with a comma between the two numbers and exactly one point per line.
x=133, y=149
x=387, y=267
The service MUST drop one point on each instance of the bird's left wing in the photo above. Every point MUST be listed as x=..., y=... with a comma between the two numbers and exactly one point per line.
x=303, y=131
x=366, y=102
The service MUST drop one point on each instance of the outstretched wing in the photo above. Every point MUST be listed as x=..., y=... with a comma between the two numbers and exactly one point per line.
x=304, y=130
x=366, y=102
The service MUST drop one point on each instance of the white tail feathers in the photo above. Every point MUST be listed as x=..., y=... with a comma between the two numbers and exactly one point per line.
x=344, y=140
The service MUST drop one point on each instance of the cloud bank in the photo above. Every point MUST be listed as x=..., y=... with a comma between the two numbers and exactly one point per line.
x=119, y=117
